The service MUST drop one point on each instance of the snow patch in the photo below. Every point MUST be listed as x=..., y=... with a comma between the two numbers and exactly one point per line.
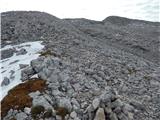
x=9, y=67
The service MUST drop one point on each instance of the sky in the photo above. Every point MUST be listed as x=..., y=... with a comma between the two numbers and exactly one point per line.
x=90, y=9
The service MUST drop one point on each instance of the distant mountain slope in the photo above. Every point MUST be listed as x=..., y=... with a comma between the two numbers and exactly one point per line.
x=138, y=37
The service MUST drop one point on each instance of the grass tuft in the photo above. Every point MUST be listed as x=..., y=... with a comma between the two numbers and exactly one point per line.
x=36, y=110
x=61, y=111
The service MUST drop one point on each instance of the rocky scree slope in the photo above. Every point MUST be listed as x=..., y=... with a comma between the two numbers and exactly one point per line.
x=94, y=70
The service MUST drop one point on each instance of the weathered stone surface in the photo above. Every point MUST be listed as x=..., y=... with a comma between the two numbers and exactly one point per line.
x=76, y=105
x=40, y=100
x=37, y=64
x=21, y=52
x=73, y=114
x=7, y=53
x=23, y=66
x=122, y=116
x=106, y=97
x=27, y=73
x=113, y=116
x=137, y=105
x=21, y=116
x=58, y=117
x=5, y=81
x=27, y=110
x=66, y=103
x=34, y=94
x=100, y=115
x=117, y=103
x=96, y=103
x=128, y=108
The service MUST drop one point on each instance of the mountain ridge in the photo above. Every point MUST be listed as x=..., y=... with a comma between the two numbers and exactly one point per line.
x=92, y=69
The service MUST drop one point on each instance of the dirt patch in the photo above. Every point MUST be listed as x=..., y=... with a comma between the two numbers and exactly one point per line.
x=47, y=53
x=18, y=97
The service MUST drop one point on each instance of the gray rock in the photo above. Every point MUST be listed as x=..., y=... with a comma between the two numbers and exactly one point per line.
x=84, y=104
x=38, y=99
x=12, y=72
x=10, y=112
x=73, y=114
x=42, y=75
x=37, y=64
x=101, y=74
x=137, y=105
x=67, y=117
x=75, y=103
x=5, y=81
x=15, y=112
x=122, y=116
x=53, y=86
x=117, y=110
x=52, y=118
x=77, y=87
x=34, y=94
x=155, y=83
x=23, y=66
x=13, y=62
x=58, y=117
x=113, y=116
x=100, y=115
x=108, y=110
x=27, y=73
x=89, y=72
x=21, y=52
x=117, y=103
x=50, y=99
x=66, y=103
x=89, y=109
x=106, y=97
x=96, y=103
x=128, y=108
x=7, y=53
x=57, y=93
x=21, y=116
x=53, y=77
x=27, y=110
x=77, y=118
x=9, y=115
x=130, y=115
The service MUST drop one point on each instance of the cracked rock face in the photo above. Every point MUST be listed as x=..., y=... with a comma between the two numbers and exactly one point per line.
x=94, y=70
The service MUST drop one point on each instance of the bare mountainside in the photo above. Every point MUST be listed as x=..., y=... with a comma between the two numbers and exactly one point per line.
x=87, y=70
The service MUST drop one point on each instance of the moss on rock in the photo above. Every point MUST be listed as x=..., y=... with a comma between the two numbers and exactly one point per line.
x=36, y=110
x=48, y=113
x=18, y=97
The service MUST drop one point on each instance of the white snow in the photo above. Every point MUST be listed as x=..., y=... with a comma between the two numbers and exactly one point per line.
x=32, y=48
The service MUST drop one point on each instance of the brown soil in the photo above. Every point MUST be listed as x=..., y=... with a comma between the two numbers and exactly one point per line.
x=18, y=97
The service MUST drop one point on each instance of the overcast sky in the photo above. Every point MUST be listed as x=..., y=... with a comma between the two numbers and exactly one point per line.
x=91, y=9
